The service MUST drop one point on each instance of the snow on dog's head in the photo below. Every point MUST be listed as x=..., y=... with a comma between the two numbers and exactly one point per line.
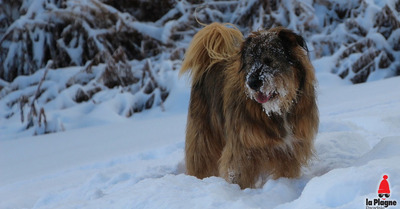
x=272, y=61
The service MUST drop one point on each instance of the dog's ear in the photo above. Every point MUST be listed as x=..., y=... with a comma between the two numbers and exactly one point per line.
x=291, y=39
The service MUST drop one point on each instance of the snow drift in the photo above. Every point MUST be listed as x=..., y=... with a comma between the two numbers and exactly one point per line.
x=139, y=163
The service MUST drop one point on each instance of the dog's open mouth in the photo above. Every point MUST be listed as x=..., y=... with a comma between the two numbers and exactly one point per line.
x=265, y=97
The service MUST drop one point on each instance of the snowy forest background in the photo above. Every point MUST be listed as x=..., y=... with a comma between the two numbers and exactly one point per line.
x=63, y=61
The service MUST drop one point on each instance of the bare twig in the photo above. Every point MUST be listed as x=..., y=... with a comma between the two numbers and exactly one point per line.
x=42, y=114
x=154, y=81
x=22, y=102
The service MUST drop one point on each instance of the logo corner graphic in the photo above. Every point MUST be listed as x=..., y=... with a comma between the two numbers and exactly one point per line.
x=383, y=194
x=384, y=191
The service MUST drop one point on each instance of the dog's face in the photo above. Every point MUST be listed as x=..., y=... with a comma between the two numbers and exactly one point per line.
x=271, y=61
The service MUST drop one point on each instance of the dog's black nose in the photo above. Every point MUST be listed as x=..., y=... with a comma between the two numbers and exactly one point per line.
x=254, y=83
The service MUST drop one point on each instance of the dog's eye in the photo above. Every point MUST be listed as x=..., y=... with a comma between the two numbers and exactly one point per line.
x=267, y=61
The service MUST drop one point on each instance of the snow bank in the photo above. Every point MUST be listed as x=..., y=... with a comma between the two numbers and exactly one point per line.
x=139, y=163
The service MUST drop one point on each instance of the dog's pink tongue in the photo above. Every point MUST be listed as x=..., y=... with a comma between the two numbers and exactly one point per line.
x=262, y=98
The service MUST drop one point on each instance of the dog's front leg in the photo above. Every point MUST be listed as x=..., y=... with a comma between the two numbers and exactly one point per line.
x=238, y=166
x=204, y=140
x=201, y=158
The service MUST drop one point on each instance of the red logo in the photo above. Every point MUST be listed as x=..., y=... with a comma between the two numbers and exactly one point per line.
x=383, y=194
x=384, y=191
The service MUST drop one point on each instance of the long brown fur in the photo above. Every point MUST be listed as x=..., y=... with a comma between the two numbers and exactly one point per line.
x=229, y=134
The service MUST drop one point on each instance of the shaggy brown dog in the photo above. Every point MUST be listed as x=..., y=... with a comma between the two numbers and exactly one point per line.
x=252, y=113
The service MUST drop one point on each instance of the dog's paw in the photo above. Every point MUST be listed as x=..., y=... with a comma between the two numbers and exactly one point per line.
x=232, y=176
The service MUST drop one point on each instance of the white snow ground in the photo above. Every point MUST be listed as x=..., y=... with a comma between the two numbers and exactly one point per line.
x=138, y=162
